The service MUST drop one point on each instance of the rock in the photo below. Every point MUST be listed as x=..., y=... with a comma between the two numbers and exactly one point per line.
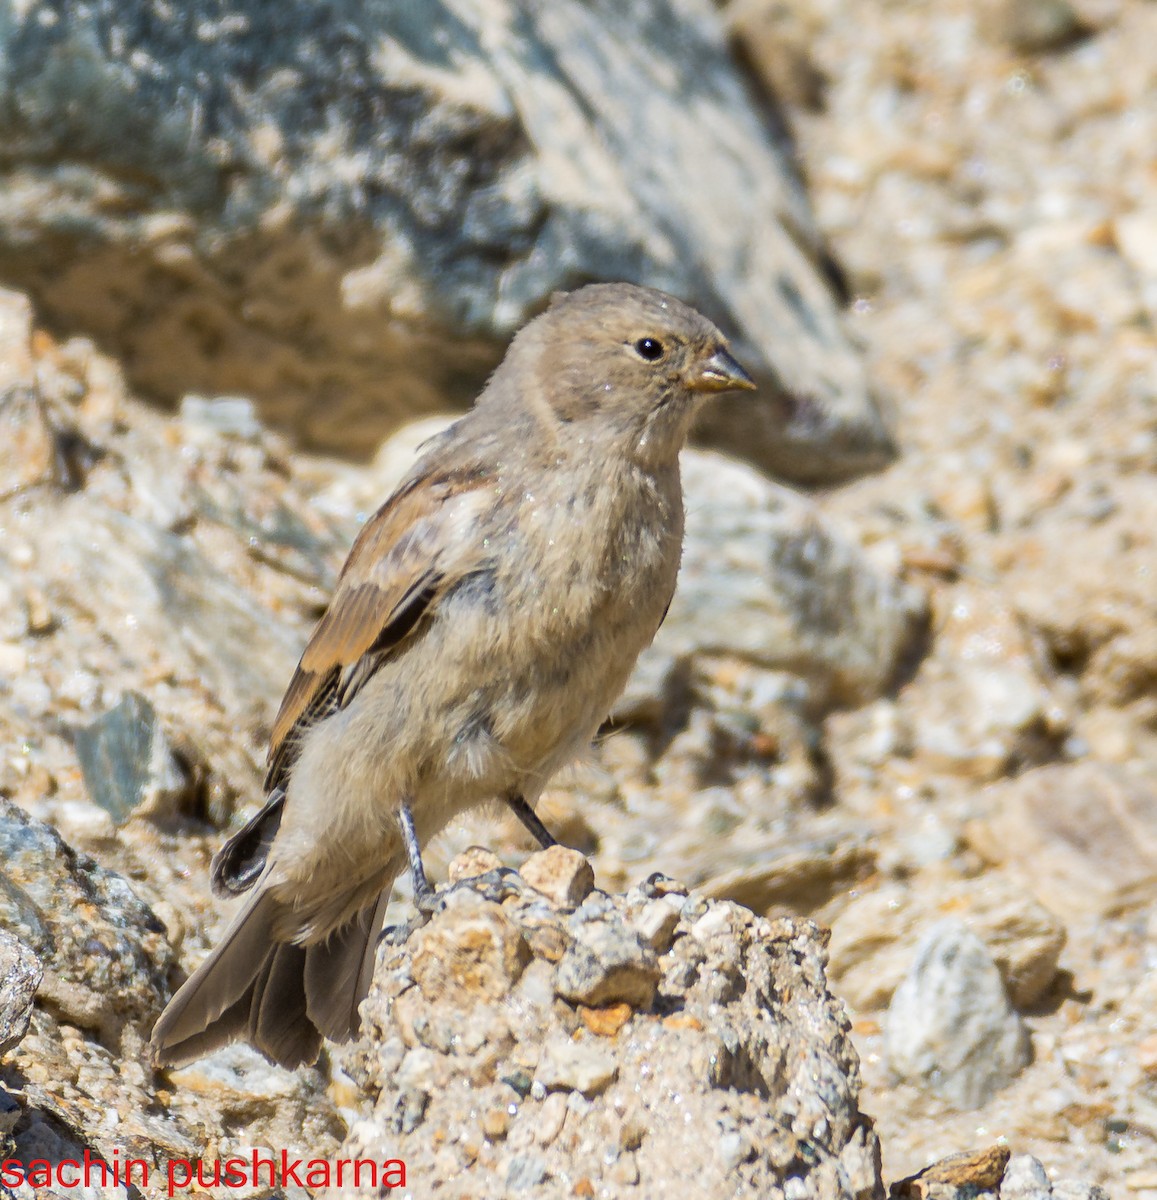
x=352, y=247
x=798, y=878
x=657, y=923
x=10, y=1112
x=176, y=595
x=875, y=935
x=1024, y=1179
x=475, y=861
x=79, y=1097
x=27, y=442
x=950, y=1027
x=958, y=1177
x=769, y=1071
x=1081, y=589
x=607, y=963
x=236, y=1083
x=1080, y=836
x=484, y=956
x=562, y=875
x=575, y=1066
x=128, y=763
x=71, y=911
x=84, y=1082
x=995, y=712
x=20, y=975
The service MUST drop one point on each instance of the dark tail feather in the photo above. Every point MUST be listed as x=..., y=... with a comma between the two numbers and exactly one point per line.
x=278, y=1024
x=278, y=996
x=338, y=972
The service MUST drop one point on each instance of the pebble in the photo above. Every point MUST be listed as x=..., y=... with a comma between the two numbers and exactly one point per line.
x=495, y=1123
x=713, y=924
x=550, y=1118
x=471, y=863
x=608, y=963
x=732, y=1148
x=526, y=1171
x=128, y=763
x=480, y=954
x=606, y=1022
x=13, y=659
x=657, y=923
x=1072, y=1189
x=950, y=1027
x=564, y=876
x=1024, y=1179
x=1034, y=26
x=575, y=1066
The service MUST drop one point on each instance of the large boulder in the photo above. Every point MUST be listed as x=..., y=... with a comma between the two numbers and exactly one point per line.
x=345, y=209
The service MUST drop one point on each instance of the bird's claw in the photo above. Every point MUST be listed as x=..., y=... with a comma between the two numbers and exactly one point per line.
x=399, y=935
x=496, y=886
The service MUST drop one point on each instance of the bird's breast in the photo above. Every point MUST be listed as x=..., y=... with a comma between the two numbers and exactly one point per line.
x=569, y=595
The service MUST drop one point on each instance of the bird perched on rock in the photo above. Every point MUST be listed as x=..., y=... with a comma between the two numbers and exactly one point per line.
x=486, y=620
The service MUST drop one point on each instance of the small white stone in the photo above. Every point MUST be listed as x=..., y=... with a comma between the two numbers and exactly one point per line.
x=575, y=1066
x=562, y=875
x=656, y=923
x=715, y=921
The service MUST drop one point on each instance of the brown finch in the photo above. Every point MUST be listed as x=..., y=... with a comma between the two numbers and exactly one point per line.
x=486, y=620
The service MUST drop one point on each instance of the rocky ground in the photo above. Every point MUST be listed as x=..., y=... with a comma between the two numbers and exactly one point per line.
x=918, y=709
x=986, y=176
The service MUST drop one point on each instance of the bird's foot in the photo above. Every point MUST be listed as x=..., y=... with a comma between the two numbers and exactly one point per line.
x=429, y=902
x=428, y=905
x=399, y=935
x=496, y=886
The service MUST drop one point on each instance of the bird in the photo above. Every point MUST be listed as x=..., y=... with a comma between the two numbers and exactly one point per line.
x=486, y=620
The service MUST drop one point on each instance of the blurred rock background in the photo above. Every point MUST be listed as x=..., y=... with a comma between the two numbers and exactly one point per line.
x=242, y=246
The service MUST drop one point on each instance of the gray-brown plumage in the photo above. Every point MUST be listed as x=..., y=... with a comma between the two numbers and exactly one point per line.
x=486, y=620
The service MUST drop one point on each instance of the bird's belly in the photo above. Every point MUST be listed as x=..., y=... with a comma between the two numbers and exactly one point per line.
x=524, y=719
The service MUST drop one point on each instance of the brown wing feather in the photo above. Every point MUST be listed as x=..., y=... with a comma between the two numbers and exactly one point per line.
x=397, y=568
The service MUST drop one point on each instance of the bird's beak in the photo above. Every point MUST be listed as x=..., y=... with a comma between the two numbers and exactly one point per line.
x=721, y=373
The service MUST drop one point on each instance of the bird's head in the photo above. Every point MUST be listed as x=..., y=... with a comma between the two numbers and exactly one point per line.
x=624, y=368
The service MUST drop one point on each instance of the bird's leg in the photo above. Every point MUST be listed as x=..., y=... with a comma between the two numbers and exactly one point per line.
x=529, y=818
x=425, y=898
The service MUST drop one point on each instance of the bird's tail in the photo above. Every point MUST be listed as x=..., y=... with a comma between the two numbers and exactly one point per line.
x=279, y=996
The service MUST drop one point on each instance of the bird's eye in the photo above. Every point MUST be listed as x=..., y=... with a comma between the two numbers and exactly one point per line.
x=649, y=348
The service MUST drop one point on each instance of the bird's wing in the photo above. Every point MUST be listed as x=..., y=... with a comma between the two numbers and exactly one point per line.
x=419, y=543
